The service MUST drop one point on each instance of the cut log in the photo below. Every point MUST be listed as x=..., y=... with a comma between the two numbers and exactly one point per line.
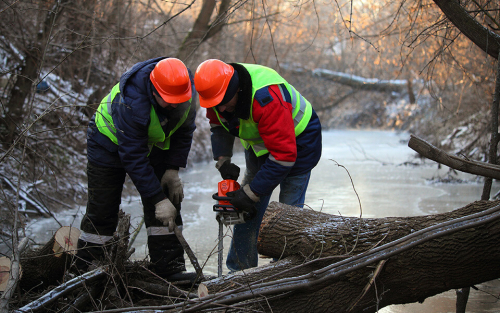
x=46, y=266
x=331, y=260
x=65, y=240
x=4, y=272
x=14, y=273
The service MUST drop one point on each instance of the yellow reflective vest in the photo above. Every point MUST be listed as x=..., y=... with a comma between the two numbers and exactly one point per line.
x=263, y=76
x=156, y=135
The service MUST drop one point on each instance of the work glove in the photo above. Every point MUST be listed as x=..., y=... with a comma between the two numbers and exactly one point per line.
x=173, y=184
x=227, y=169
x=165, y=212
x=244, y=199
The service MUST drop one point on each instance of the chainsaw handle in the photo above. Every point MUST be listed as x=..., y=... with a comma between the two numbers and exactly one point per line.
x=225, y=208
x=216, y=196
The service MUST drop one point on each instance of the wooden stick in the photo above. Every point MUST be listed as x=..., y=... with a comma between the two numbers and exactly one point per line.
x=161, y=290
x=23, y=194
x=84, y=298
x=134, y=235
x=62, y=290
x=370, y=283
x=472, y=167
x=189, y=252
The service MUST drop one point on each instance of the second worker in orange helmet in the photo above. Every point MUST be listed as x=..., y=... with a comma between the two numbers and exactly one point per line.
x=279, y=130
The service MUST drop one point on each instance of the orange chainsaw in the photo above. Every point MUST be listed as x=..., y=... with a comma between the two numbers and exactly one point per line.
x=226, y=212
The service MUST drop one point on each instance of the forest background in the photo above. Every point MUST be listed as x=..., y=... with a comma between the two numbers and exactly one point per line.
x=362, y=64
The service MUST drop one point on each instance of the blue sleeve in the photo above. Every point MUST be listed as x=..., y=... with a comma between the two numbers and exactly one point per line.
x=270, y=175
x=222, y=142
x=132, y=134
x=180, y=142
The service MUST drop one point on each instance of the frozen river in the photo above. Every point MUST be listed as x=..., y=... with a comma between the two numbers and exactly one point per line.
x=370, y=164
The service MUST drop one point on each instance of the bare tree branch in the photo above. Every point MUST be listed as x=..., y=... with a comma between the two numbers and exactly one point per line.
x=472, y=167
x=485, y=39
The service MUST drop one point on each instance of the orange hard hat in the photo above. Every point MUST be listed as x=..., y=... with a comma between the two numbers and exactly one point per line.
x=171, y=79
x=211, y=80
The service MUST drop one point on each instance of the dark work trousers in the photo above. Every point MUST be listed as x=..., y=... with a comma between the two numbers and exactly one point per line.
x=105, y=187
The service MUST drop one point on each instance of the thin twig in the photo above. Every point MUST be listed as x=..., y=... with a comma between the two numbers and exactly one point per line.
x=376, y=273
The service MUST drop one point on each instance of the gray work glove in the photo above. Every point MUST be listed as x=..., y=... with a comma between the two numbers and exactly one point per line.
x=173, y=183
x=165, y=212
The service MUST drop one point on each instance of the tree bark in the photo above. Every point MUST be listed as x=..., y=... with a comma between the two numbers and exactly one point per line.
x=485, y=39
x=21, y=90
x=411, y=258
x=287, y=231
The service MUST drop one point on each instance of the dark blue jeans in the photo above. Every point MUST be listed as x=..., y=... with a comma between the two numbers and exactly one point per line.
x=243, y=250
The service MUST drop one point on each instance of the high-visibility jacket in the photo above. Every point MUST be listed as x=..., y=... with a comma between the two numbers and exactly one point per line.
x=156, y=135
x=270, y=116
x=301, y=108
x=134, y=140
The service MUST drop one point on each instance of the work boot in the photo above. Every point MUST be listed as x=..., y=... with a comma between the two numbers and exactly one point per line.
x=166, y=255
x=183, y=278
x=86, y=253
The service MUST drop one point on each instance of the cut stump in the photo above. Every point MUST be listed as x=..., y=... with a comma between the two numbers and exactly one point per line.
x=46, y=266
x=4, y=272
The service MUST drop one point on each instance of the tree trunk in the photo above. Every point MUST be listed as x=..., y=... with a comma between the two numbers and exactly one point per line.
x=484, y=38
x=340, y=264
x=46, y=266
x=202, y=28
x=21, y=90
x=362, y=83
x=287, y=230
x=14, y=273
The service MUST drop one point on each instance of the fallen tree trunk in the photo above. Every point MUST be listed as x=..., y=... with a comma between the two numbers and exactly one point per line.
x=355, y=265
x=364, y=264
x=362, y=83
x=287, y=230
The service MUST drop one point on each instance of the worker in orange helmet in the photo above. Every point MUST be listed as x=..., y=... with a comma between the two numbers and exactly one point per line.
x=144, y=128
x=281, y=134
